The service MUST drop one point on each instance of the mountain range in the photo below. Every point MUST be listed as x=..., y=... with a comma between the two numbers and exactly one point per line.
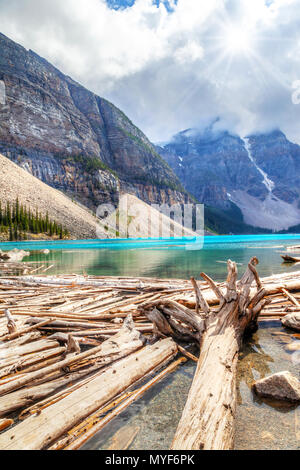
x=253, y=181
x=74, y=140
x=81, y=144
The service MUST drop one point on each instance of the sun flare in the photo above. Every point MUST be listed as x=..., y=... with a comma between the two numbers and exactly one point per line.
x=237, y=40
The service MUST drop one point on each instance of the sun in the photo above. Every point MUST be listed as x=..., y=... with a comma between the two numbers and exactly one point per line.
x=237, y=40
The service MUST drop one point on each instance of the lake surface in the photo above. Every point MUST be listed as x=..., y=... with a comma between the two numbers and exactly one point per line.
x=176, y=258
x=150, y=423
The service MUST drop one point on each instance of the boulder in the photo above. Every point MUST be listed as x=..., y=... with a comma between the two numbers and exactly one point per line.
x=280, y=386
x=294, y=346
x=292, y=320
x=14, y=255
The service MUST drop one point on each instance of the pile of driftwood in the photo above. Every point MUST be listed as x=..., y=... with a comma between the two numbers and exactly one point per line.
x=11, y=263
x=76, y=351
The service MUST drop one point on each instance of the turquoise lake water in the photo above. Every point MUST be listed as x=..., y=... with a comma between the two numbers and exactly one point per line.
x=172, y=258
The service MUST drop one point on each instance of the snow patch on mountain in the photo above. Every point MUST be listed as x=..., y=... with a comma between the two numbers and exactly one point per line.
x=270, y=185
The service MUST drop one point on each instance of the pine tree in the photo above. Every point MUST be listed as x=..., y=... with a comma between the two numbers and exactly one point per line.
x=11, y=235
x=18, y=220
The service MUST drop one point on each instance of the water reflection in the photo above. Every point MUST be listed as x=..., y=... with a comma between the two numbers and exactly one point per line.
x=166, y=262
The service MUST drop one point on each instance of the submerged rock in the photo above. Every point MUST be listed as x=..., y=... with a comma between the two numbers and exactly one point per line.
x=292, y=320
x=280, y=386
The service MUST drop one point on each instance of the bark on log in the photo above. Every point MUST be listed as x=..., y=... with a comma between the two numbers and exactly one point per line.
x=39, y=431
x=208, y=417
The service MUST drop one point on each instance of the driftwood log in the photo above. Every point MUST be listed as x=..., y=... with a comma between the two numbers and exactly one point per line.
x=42, y=376
x=290, y=259
x=208, y=418
x=126, y=341
x=39, y=431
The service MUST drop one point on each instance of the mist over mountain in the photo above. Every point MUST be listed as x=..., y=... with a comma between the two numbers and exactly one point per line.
x=168, y=68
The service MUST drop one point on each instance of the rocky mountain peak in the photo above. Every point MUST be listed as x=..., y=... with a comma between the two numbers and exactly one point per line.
x=258, y=174
x=73, y=139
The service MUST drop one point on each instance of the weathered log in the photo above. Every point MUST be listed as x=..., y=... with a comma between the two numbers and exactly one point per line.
x=214, y=288
x=64, y=324
x=72, y=345
x=187, y=354
x=114, y=345
x=31, y=362
x=11, y=355
x=18, y=333
x=173, y=319
x=76, y=443
x=63, y=338
x=27, y=396
x=291, y=297
x=11, y=325
x=208, y=418
x=293, y=248
x=24, y=339
x=292, y=320
x=122, y=344
x=40, y=431
x=200, y=300
x=290, y=259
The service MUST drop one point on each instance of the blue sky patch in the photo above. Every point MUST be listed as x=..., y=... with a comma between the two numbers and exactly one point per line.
x=121, y=4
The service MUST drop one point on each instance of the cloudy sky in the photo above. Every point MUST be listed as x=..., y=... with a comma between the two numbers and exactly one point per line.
x=171, y=65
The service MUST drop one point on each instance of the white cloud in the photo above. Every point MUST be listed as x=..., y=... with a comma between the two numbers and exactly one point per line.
x=190, y=52
x=231, y=58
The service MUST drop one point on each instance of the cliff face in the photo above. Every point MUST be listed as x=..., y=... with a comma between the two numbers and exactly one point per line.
x=36, y=195
x=74, y=140
x=280, y=160
x=259, y=174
